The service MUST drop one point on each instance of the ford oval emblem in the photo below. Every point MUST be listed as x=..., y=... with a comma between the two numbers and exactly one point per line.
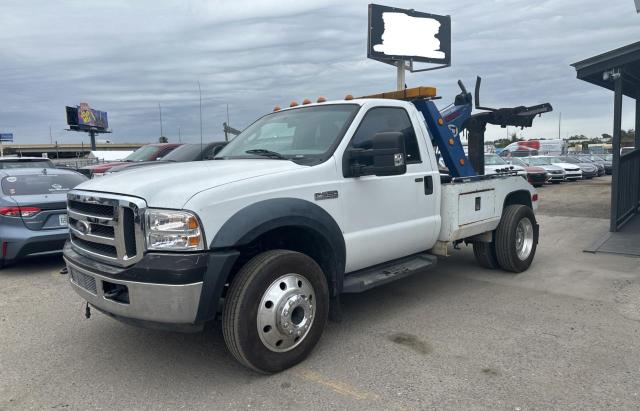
x=83, y=227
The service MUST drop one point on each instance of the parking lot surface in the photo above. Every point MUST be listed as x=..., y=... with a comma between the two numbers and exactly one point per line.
x=563, y=335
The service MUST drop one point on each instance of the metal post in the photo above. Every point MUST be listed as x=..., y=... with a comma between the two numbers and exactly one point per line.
x=400, y=78
x=92, y=134
x=200, y=94
x=637, y=129
x=615, y=146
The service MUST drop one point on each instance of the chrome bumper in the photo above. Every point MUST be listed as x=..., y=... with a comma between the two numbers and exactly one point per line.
x=161, y=303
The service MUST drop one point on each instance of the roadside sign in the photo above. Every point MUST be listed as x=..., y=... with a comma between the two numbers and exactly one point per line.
x=408, y=35
x=6, y=137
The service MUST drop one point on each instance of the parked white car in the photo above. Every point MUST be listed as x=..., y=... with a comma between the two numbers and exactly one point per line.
x=572, y=172
x=494, y=164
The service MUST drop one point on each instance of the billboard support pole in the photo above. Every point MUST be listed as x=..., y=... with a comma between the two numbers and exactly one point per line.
x=92, y=134
x=400, y=78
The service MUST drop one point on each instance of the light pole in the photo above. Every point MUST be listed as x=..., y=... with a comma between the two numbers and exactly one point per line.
x=160, y=110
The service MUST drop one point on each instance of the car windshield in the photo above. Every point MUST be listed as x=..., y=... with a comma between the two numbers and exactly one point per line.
x=493, y=160
x=305, y=135
x=608, y=157
x=40, y=183
x=22, y=163
x=539, y=161
x=556, y=160
x=144, y=153
x=187, y=152
x=517, y=162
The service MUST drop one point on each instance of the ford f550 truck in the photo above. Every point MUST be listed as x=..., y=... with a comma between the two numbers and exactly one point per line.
x=306, y=204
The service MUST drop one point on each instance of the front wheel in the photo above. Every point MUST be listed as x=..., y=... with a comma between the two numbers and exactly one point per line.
x=275, y=310
x=516, y=238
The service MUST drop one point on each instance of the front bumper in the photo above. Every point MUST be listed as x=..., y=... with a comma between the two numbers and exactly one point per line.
x=169, y=289
x=537, y=178
x=573, y=175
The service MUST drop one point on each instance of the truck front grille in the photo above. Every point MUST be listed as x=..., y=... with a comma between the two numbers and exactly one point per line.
x=106, y=227
x=82, y=280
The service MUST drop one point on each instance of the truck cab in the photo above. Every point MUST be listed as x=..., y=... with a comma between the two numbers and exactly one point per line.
x=306, y=204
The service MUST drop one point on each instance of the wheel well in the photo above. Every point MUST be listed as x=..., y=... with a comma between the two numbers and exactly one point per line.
x=295, y=238
x=518, y=197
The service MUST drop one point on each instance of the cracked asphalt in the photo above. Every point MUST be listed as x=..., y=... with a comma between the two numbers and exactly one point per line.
x=563, y=335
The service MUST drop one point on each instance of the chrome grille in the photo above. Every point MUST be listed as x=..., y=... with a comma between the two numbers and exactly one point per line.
x=106, y=227
x=82, y=280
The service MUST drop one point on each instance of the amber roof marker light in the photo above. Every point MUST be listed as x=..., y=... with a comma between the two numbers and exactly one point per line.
x=406, y=94
x=321, y=99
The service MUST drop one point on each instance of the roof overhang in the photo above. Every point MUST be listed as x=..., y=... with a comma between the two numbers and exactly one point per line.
x=626, y=60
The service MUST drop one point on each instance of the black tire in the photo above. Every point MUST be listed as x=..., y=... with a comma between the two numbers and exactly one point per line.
x=485, y=254
x=240, y=313
x=505, y=238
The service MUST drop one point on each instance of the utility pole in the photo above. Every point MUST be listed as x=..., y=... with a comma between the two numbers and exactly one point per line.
x=200, y=93
x=559, y=126
x=179, y=135
x=50, y=137
x=226, y=137
x=160, y=110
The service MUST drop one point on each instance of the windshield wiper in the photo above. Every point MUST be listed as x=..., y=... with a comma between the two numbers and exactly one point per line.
x=266, y=153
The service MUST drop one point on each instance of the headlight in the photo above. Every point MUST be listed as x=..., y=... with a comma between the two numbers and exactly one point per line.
x=173, y=230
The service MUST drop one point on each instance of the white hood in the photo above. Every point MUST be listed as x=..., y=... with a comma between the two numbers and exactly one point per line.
x=172, y=185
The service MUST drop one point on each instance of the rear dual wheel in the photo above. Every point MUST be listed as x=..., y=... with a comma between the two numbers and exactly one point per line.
x=275, y=310
x=515, y=241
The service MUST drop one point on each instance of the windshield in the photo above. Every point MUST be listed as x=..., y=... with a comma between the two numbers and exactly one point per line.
x=569, y=160
x=144, y=153
x=187, y=152
x=493, y=160
x=40, y=183
x=26, y=164
x=518, y=162
x=539, y=161
x=305, y=135
x=608, y=157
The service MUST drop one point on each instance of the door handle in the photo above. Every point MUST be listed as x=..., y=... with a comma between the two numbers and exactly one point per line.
x=428, y=185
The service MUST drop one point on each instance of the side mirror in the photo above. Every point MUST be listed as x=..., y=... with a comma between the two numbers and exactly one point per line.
x=385, y=155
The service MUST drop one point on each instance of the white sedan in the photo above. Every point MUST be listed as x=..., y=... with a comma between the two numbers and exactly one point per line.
x=494, y=164
x=572, y=171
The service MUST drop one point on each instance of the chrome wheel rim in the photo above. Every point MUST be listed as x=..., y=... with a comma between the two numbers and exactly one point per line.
x=286, y=312
x=524, y=238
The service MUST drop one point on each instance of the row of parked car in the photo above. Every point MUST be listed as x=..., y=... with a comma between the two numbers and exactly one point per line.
x=539, y=170
x=33, y=194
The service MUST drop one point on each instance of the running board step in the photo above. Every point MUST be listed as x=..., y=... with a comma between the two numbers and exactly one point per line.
x=368, y=278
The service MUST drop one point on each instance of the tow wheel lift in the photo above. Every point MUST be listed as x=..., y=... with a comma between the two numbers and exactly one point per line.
x=446, y=125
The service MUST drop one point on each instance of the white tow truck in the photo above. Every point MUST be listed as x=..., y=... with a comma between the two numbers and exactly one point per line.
x=306, y=204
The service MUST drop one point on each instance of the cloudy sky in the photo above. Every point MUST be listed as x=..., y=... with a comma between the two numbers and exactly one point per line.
x=125, y=57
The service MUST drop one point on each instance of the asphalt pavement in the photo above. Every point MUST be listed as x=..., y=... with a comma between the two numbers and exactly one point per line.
x=563, y=335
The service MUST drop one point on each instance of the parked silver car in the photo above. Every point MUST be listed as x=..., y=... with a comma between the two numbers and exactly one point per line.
x=33, y=211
